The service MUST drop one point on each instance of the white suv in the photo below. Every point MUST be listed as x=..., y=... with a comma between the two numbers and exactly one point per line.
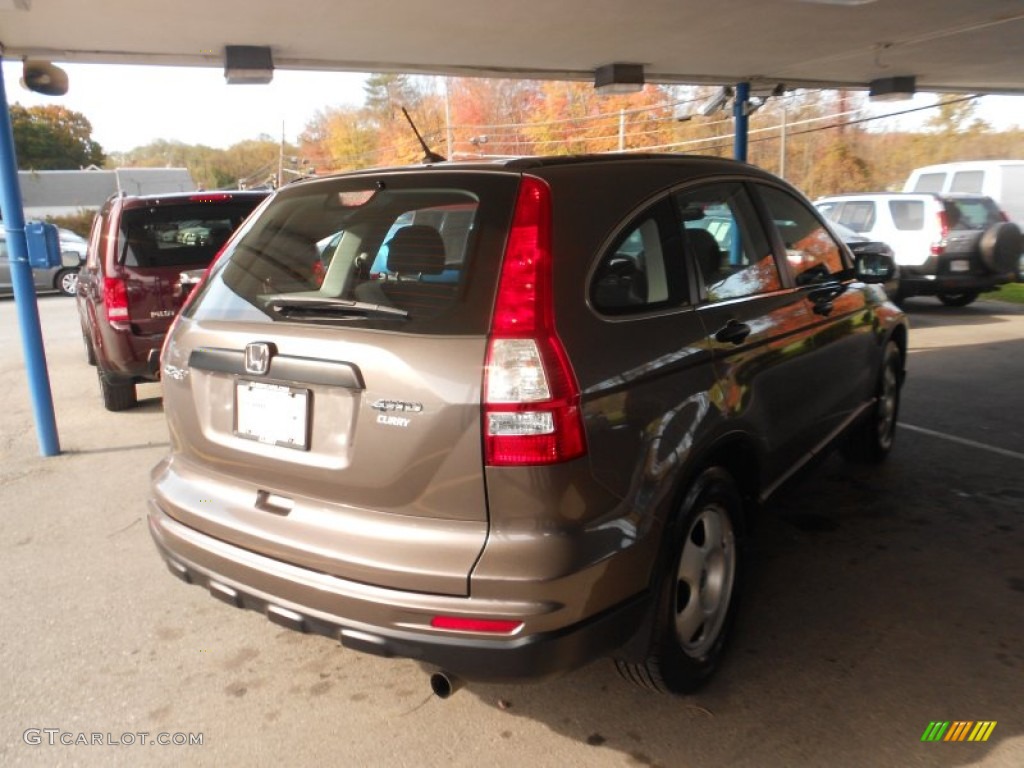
x=950, y=246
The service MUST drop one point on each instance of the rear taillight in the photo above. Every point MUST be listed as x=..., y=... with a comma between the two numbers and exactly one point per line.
x=115, y=299
x=939, y=247
x=531, y=412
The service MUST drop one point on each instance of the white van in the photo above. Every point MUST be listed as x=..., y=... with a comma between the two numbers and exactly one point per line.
x=1002, y=180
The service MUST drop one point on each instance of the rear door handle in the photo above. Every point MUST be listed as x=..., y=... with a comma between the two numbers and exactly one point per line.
x=733, y=332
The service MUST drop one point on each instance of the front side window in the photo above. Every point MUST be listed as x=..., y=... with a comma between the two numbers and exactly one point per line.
x=724, y=238
x=930, y=182
x=811, y=250
x=857, y=215
x=967, y=181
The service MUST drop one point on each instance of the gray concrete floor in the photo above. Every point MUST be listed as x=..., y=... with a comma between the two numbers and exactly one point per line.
x=878, y=600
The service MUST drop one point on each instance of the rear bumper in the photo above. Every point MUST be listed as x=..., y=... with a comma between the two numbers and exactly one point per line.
x=126, y=355
x=936, y=276
x=318, y=603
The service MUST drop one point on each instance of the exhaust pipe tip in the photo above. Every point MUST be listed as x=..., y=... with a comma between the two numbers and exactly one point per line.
x=444, y=684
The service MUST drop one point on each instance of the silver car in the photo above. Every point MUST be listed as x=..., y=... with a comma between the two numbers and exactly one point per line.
x=63, y=279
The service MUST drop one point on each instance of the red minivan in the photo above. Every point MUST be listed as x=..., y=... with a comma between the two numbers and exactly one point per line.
x=130, y=287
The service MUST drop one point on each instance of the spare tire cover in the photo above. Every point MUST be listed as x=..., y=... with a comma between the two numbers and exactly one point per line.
x=1001, y=246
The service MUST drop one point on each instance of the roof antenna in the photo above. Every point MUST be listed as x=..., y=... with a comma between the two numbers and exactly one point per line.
x=429, y=155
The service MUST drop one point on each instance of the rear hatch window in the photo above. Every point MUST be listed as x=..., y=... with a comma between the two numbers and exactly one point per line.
x=185, y=236
x=390, y=253
x=157, y=242
x=976, y=213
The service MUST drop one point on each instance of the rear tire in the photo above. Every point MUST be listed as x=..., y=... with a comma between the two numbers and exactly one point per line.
x=117, y=396
x=872, y=439
x=958, y=299
x=698, y=592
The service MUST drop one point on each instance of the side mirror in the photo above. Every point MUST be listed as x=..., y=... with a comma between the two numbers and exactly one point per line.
x=876, y=268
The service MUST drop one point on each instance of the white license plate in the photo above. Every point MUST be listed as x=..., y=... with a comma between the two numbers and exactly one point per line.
x=960, y=265
x=272, y=414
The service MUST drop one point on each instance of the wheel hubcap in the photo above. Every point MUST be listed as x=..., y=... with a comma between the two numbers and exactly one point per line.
x=704, y=582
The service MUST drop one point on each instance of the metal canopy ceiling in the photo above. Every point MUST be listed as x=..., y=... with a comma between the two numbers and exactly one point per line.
x=949, y=45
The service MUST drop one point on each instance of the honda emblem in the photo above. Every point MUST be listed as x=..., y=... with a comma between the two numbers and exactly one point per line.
x=257, y=358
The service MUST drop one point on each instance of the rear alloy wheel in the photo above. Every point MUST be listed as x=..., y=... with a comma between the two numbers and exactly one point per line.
x=698, y=592
x=872, y=439
x=67, y=282
x=117, y=395
x=958, y=299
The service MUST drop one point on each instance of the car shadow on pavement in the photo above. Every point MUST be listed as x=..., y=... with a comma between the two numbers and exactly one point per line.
x=870, y=612
x=112, y=449
x=979, y=313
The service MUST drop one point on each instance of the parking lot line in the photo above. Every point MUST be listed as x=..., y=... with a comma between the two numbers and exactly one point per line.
x=964, y=441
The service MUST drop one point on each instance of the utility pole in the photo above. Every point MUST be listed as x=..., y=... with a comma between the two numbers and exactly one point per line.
x=280, y=160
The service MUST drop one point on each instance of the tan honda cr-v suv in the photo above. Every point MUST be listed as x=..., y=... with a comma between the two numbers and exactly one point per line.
x=507, y=418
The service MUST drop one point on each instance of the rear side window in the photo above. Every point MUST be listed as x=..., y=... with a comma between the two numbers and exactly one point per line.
x=178, y=235
x=643, y=270
x=386, y=255
x=907, y=215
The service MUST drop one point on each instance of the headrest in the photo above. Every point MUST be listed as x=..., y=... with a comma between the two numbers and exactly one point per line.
x=417, y=248
x=706, y=251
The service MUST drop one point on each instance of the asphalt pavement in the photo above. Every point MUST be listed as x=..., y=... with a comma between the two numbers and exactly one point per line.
x=878, y=601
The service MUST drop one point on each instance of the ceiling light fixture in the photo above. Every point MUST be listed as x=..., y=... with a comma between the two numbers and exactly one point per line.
x=892, y=88
x=619, y=78
x=248, y=64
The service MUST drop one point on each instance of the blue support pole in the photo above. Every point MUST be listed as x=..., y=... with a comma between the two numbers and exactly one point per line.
x=739, y=111
x=24, y=288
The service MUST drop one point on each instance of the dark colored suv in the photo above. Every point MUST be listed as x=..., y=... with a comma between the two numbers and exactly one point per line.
x=507, y=418
x=130, y=287
x=953, y=246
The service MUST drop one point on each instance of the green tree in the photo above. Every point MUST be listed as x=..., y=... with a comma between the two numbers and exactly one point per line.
x=249, y=163
x=386, y=94
x=49, y=138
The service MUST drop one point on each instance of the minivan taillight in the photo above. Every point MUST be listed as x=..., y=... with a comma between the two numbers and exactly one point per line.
x=531, y=403
x=115, y=299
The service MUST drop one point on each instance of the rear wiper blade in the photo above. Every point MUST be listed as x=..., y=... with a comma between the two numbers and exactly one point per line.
x=330, y=306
